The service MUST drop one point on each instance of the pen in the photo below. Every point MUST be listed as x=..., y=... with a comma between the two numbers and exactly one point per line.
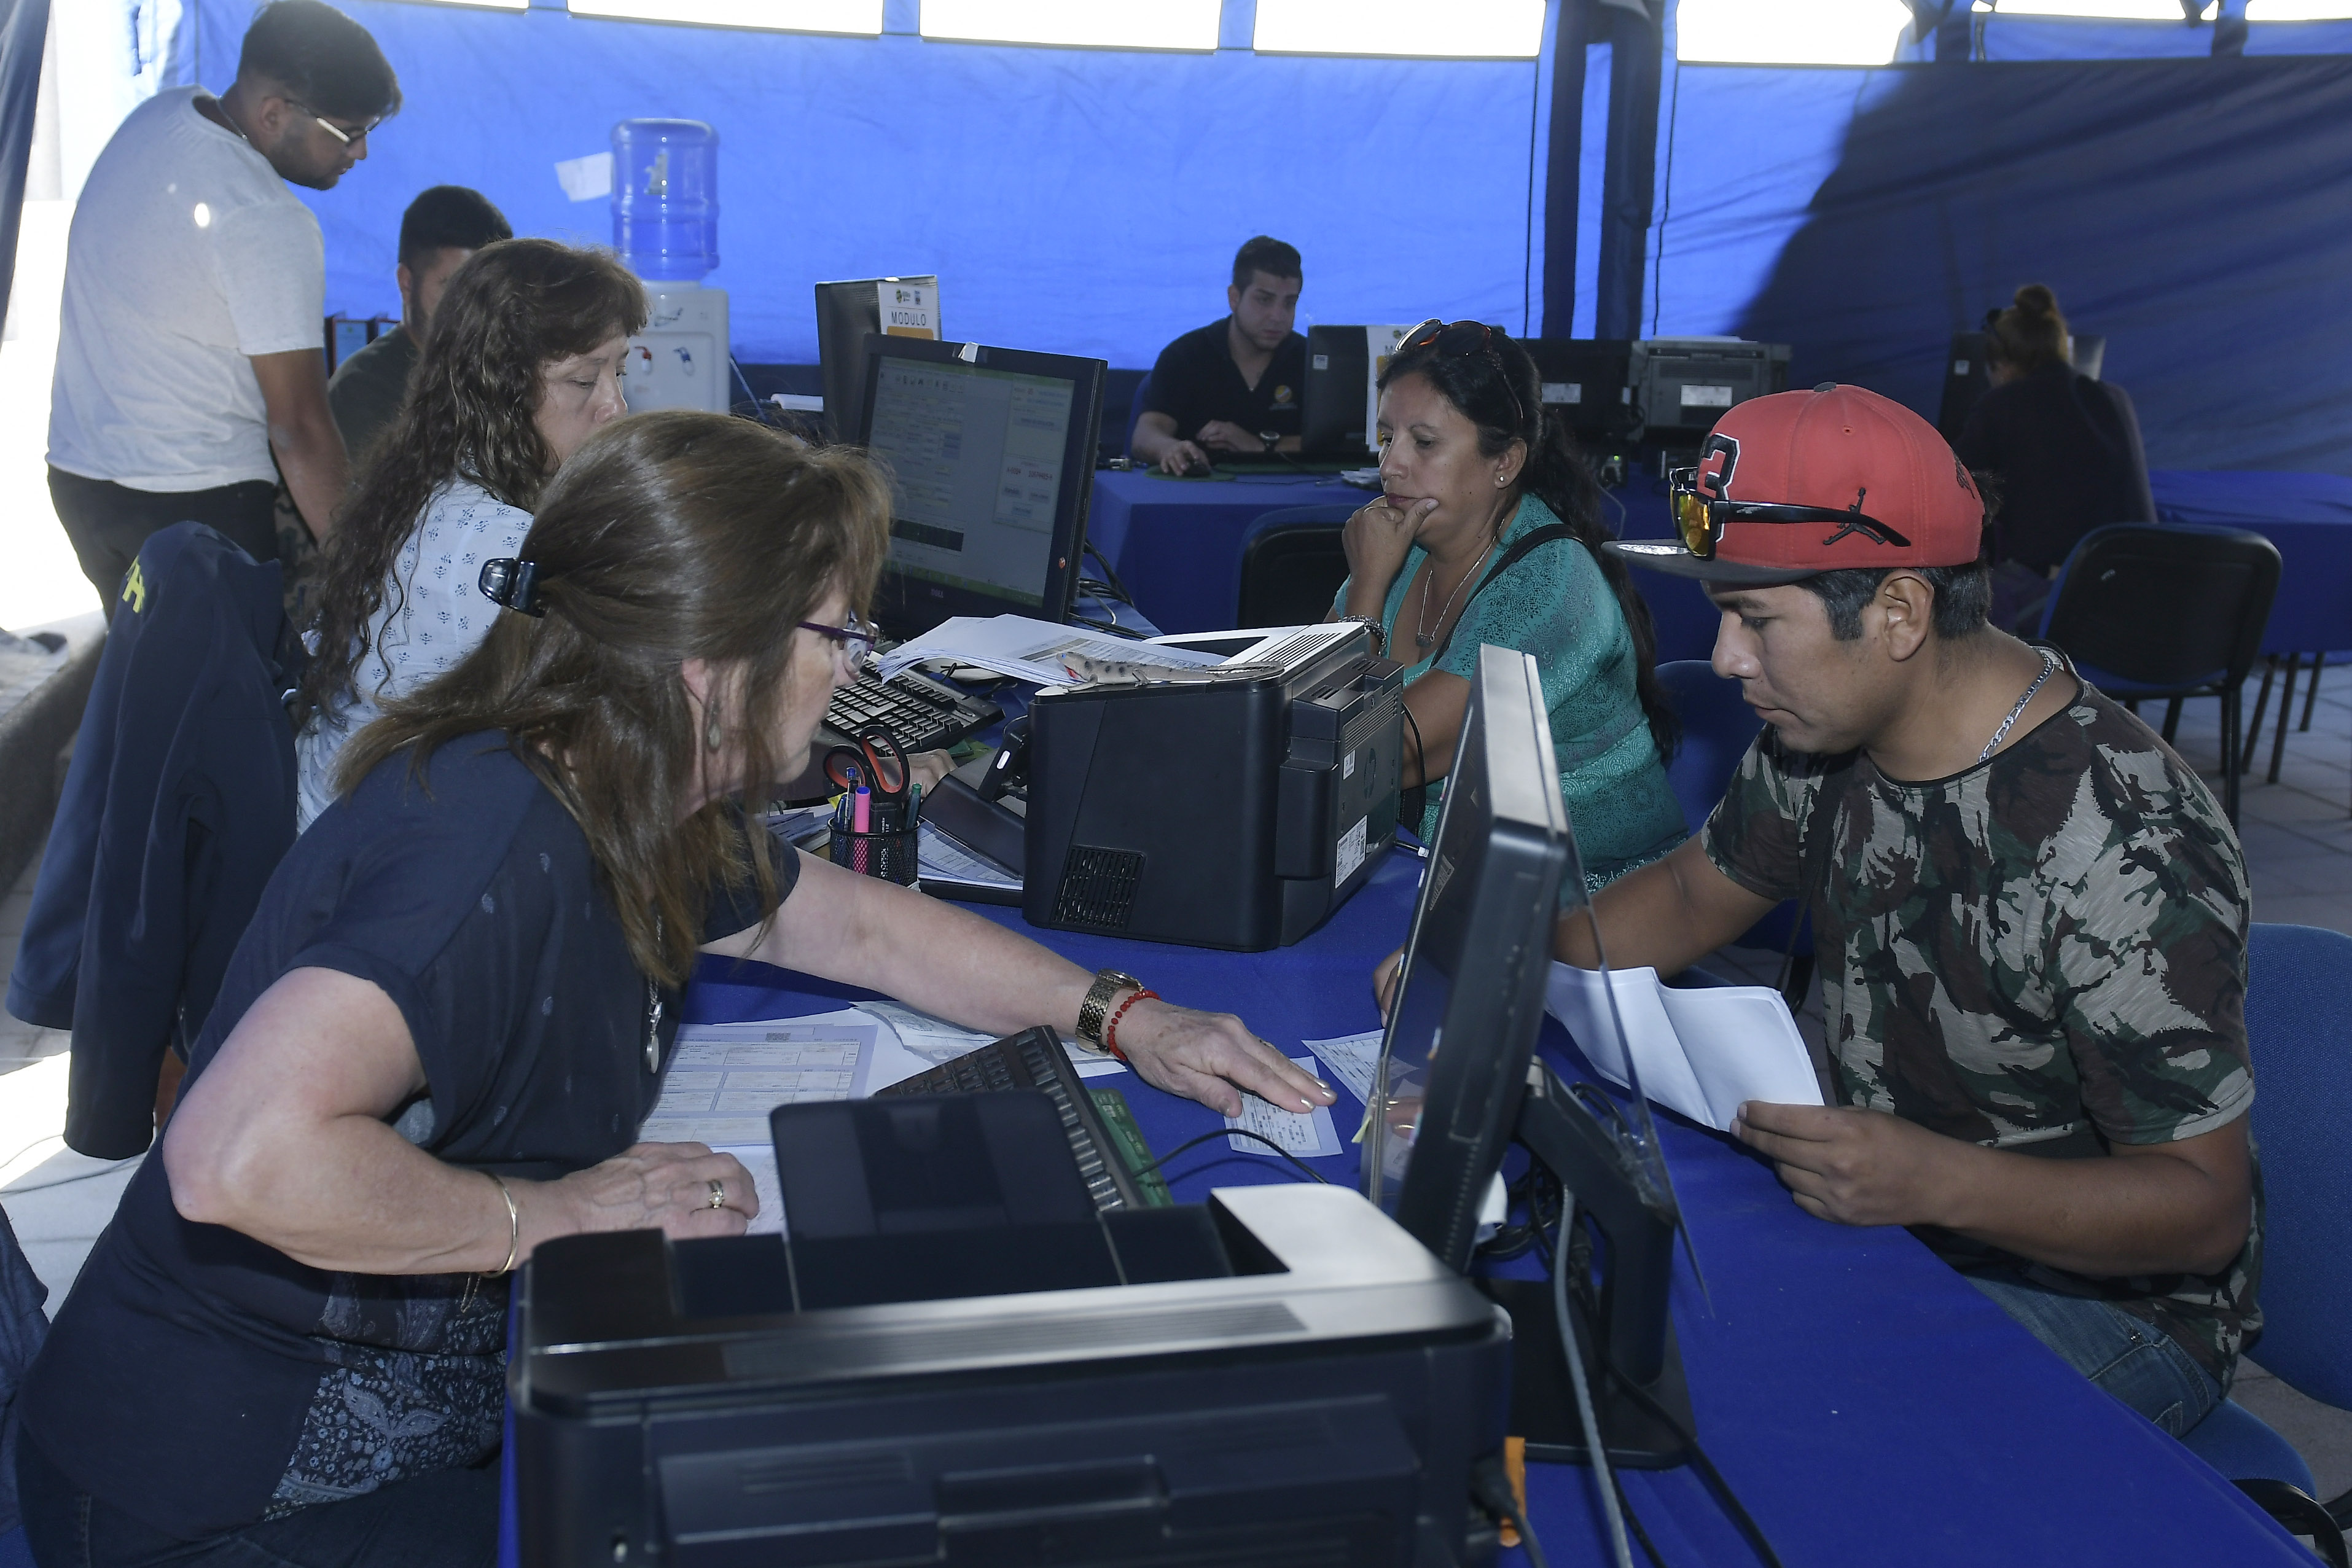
x=915, y=804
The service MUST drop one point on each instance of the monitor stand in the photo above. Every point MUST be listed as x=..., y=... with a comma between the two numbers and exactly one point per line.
x=1642, y=1434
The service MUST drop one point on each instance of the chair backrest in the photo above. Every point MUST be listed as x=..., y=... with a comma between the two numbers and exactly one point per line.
x=2165, y=606
x=1135, y=410
x=1292, y=566
x=1718, y=726
x=2299, y=1023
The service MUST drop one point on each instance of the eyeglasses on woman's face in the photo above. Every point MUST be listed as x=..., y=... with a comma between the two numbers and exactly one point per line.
x=852, y=643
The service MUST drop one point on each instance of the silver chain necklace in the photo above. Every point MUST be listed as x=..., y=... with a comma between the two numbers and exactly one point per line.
x=2049, y=663
x=1422, y=634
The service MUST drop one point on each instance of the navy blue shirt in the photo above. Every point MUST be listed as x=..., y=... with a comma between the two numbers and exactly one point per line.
x=1196, y=381
x=199, y=1380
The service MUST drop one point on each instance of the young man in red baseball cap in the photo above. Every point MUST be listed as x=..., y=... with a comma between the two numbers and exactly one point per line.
x=2030, y=914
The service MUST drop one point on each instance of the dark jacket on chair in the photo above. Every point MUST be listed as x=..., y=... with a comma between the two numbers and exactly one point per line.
x=178, y=806
x=2066, y=450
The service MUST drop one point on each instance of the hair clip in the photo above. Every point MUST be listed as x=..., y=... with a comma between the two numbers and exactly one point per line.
x=512, y=585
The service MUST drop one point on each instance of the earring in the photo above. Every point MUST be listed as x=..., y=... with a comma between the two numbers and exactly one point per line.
x=710, y=731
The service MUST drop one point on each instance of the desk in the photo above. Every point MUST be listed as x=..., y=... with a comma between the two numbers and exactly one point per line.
x=1867, y=1404
x=1177, y=543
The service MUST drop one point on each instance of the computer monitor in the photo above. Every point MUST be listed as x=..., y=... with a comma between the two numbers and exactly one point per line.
x=1583, y=380
x=1474, y=967
x=846, y=314
x=1335, y=406
x=991, y=453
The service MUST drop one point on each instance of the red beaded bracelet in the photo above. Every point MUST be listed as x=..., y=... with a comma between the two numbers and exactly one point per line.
x=1110, y=1027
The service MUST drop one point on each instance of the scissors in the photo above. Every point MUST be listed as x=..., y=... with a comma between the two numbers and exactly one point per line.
x=876, y=761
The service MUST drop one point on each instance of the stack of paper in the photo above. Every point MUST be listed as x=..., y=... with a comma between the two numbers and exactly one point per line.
x=1030, y=650
x=1700, y=1053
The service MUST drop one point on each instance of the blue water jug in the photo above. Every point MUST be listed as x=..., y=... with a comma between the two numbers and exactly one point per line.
x=666, y=198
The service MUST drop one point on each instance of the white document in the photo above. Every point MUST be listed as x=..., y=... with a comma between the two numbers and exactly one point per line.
x=1304, y=1134
x=915, y=1043
x=1700, y=1053
x=941, y=859
x=1351, y=1059
x=1030, y=650
x=588, y=179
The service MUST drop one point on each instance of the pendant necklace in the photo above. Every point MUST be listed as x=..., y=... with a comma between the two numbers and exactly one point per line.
x=2049, y=663
x=1422, y=633
x=654, y=1013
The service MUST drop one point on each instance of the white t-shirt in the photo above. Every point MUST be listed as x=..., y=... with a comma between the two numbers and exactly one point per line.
x=434, y=613
x=187, y=255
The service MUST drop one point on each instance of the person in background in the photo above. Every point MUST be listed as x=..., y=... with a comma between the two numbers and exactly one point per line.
x=522, y=364
x=190, y=345
x=1488, y=531
x=2031, y=914
x=1232, y=388
x=2062, y=451
x=441, y=228
x=447, y=1023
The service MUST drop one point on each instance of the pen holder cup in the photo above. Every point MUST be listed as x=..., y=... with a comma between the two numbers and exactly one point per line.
x=889, y=855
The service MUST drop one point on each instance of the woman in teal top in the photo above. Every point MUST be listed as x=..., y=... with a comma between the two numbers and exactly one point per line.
x=1467, y=546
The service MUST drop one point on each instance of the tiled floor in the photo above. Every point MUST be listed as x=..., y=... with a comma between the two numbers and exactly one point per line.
x=2298, y=839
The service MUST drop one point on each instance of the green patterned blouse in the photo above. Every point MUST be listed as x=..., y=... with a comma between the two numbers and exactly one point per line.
x=1555, y=603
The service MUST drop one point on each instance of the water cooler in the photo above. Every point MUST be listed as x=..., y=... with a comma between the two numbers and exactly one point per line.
x=665, y=226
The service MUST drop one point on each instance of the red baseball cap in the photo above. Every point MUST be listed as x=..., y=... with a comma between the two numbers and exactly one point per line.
x=1800, y=483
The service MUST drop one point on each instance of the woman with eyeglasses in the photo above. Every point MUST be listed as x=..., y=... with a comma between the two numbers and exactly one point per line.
x=523, y=361
x=440, y=1034
x=1488, y=531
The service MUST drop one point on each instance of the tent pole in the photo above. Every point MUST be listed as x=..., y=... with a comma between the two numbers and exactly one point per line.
x=1563, y=164
x=1629, y=187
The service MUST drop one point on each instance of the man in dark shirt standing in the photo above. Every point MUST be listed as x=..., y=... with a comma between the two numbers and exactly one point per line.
x=442, y=228
x=1233, y=387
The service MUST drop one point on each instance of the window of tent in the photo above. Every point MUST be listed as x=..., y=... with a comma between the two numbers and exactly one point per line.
x=1790, y=32
x=1455, y=29
x=856, y=17
x=1188, y=24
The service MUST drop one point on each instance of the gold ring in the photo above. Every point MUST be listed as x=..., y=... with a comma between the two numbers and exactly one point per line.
x=717, y=1194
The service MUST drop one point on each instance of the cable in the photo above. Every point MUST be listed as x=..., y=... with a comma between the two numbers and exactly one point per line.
x=1490, y=1487
x=1113, y=627
x=1570, y=1351
x=1420, y=755
x=1234, y=1133
x=1110, y=574
x=1634, y=1520
x=1701, y=1463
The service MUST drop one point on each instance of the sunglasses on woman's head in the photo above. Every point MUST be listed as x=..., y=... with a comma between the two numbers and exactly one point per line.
x=1459, y=341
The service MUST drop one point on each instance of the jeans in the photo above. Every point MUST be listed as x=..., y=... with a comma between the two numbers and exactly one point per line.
x=107, y=522
x=2129, y=1358
x=447, y=1520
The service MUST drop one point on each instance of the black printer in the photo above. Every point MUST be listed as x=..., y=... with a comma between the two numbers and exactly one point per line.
x=1233, y=807
x=1322, y=1400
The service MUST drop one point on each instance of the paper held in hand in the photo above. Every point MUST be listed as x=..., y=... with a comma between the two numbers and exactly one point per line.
x=1700, y=1053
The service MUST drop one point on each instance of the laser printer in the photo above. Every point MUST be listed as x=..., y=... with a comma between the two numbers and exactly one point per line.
x=1232, y=807
x=1284, y=1376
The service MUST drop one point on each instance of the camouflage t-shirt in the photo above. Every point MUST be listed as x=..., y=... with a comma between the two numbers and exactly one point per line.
x=2045, y=953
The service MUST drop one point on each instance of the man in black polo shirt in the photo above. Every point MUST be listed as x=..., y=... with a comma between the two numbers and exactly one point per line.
x=1233, y=387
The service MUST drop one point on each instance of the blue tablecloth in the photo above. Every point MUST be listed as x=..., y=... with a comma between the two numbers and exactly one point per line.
x=1867, y=1404
x=2242, y=498
x=1177, y=543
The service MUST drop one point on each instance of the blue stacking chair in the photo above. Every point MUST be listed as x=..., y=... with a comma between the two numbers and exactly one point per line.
x=2311, y=615
x=2149, y=611
x=1718, y=726
x=2299, y=1021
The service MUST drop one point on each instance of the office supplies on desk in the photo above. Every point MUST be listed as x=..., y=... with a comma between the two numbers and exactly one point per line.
x=1702, y=1052
x=1234, y=812
x=1028, y=649
x=1286, y=1376
x=1036, y=1059
x=925, y=715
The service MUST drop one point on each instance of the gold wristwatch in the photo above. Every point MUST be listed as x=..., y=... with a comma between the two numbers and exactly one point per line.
x=1107, y=985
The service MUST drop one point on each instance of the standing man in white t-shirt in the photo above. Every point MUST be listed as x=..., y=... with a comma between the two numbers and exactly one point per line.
x=191, y=344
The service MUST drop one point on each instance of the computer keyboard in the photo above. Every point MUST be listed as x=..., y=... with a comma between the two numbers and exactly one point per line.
x=1034, y=1059
x=922, y=714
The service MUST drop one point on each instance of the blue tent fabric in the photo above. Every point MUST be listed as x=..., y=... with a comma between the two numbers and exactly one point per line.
x=2189, y=211
x=1077, y=200
x=23, y=1327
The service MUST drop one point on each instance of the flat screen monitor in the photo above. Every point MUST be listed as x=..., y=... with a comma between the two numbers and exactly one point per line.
x=1343, y=369
x=1583, y=380
x=846, y=315
x=1462, y=1030
x=991, y=453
